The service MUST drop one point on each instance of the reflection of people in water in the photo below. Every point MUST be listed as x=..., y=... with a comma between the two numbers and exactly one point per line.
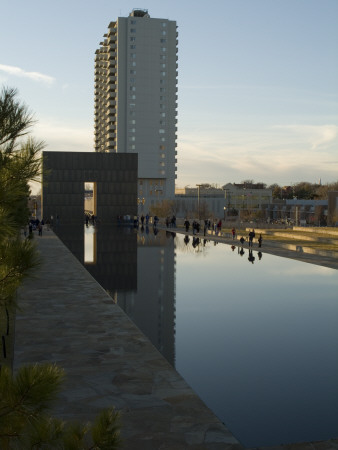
x=241, y=252
x=195, y=242
x=186, y=240
x=233, y=247
x=155, y=230
x=251, y=257
x=260, y=254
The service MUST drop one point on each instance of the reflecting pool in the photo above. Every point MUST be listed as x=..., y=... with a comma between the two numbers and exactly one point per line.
x=254, y=335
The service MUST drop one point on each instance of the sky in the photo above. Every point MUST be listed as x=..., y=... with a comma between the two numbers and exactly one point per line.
x=257, y=82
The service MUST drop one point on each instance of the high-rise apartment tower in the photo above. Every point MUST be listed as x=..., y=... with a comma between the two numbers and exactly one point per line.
x=136, y=100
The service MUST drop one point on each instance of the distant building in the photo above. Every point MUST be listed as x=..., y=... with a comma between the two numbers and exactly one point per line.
x=333, y=208
x=299, y=212
x=136, y=100
x=229, y=201
x=244, y=196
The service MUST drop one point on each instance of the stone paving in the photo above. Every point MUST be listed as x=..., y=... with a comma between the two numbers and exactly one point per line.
x=67, y=318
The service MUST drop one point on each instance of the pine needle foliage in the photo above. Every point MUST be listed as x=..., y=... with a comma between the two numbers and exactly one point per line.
x=20, y=163
x=25, y=401
x=105, y=431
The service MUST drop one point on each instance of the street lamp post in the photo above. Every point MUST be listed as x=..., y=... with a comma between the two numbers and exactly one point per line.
x=198, y=199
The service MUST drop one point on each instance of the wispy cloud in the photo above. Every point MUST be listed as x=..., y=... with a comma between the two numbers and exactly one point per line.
x=35, y=76
x=279, y=153
x=317, y=136
x=62, y=137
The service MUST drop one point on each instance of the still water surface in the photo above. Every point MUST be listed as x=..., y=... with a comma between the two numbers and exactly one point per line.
x=256, y=339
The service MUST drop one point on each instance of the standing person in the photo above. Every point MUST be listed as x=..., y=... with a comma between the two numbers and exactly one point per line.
x=260, y=240
x=187, y=225
x=251, y=236
x=142, y=219
x=233, y=231
x=40, y=229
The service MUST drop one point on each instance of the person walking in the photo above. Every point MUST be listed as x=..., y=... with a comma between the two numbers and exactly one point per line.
x=260, y=240
x=233, y=231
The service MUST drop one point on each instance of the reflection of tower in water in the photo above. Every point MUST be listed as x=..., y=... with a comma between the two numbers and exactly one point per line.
x=152, y=306
x=137, y=269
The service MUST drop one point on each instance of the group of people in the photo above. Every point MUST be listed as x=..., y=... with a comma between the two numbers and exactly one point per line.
x=90, y=218
x=251, y=237
x=34, y=224
x=170, y=221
